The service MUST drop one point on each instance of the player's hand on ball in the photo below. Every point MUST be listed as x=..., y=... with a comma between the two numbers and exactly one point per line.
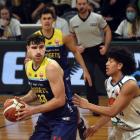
x=22, y=113
x=80, y=102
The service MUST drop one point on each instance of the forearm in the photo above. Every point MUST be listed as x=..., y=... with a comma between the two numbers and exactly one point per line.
x=48, y=106
x=29, y=97
x=80, y=60
x=107, y=111
x=101, y=122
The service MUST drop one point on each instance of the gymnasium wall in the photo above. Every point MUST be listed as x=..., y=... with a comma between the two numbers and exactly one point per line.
x=12, y=75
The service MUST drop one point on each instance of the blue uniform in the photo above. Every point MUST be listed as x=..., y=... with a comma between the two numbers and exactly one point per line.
x=59, y=124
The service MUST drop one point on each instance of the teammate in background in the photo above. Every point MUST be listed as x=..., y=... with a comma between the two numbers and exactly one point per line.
x=57, y=46
x=93, y=37
x=59, y=23
x=124, y=99
x=58, y=119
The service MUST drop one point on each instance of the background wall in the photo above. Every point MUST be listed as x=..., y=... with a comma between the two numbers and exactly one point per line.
x=12, y=75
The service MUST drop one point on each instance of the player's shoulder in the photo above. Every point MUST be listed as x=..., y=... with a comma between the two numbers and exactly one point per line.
x=57, y=31
x=52, y=64
x=38, y=32
x=128, y=78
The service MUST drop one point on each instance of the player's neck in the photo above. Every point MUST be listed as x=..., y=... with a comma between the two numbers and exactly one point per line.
x=48, y=33
x=117, y=77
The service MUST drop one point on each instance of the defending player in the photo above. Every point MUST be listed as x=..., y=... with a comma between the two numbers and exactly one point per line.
x=58, y=119
x=124, y=99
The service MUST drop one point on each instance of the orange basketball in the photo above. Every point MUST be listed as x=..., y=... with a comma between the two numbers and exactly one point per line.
x=10, y=109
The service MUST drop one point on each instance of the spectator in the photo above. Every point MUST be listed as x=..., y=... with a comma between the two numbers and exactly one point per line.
x=113, y=11
x=10, y=27
x=88, y=28
x=59, y=23
x=130, y=27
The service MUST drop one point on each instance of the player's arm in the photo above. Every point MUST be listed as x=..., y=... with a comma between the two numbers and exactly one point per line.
x=70, y=44
x=127, y=93
x=55, y=77
x=29, y=97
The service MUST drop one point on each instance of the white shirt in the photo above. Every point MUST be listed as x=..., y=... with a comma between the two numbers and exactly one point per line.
x=13, y=29
x=125, y=29
x=129, y=118
x=88, y=32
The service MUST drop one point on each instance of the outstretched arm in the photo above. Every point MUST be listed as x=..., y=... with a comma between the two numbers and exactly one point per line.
x=127, y=93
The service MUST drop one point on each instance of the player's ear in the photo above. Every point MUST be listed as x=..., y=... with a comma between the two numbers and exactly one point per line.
x=120, y=65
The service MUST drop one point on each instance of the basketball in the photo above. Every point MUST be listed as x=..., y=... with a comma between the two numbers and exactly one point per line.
x=10, y=109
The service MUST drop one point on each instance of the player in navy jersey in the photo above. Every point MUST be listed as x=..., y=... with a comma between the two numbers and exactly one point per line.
x=57, y=45
x=124, y=98
x=59, y=118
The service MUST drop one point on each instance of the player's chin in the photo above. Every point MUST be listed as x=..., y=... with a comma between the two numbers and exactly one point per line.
x=107, y=72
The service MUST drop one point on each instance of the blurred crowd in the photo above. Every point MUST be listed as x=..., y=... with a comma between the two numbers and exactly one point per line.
x=121, y=15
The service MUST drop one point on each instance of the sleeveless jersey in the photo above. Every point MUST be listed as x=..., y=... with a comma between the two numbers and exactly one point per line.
x=129, y=118
x=55, y=48
x=41, y=87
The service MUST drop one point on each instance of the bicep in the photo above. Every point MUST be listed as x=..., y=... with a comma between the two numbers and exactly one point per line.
x=70, y=42
x=127, y=93
x=55, y=77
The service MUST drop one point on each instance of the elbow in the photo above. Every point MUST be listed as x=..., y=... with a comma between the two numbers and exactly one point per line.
x=112, y=113
x=61, y=102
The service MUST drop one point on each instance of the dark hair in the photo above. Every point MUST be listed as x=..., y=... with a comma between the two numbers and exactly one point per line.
x=47, y=11
x=125, y=57
x=35, y=39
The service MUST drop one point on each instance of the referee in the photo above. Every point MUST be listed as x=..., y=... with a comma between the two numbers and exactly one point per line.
x=93, y=37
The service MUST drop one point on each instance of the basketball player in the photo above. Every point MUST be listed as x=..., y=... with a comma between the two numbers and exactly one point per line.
x=58, y=119
x=56, y=47
x=124, y=99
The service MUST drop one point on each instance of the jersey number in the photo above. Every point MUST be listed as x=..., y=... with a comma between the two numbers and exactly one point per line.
x=42, y=98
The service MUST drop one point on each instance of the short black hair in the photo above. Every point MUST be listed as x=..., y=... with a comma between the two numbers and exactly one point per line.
x=125, y=57
x=35, y=39
x=47, y=11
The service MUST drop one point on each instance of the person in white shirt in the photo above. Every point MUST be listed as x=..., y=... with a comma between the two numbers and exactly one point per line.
x=10, y=26
x=124, y=98
x=130, y=27
x=93, y=37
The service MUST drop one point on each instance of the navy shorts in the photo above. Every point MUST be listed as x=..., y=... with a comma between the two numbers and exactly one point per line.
x=64, y=128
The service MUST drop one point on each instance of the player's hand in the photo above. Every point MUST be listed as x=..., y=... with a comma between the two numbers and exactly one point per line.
x=87, y=77
x=90, y=131
x=80, y=48
x=24, y=112
x=80, y=102
x=103, y=50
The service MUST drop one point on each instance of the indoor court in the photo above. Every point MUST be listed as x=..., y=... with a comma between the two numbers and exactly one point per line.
x=23, y=129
